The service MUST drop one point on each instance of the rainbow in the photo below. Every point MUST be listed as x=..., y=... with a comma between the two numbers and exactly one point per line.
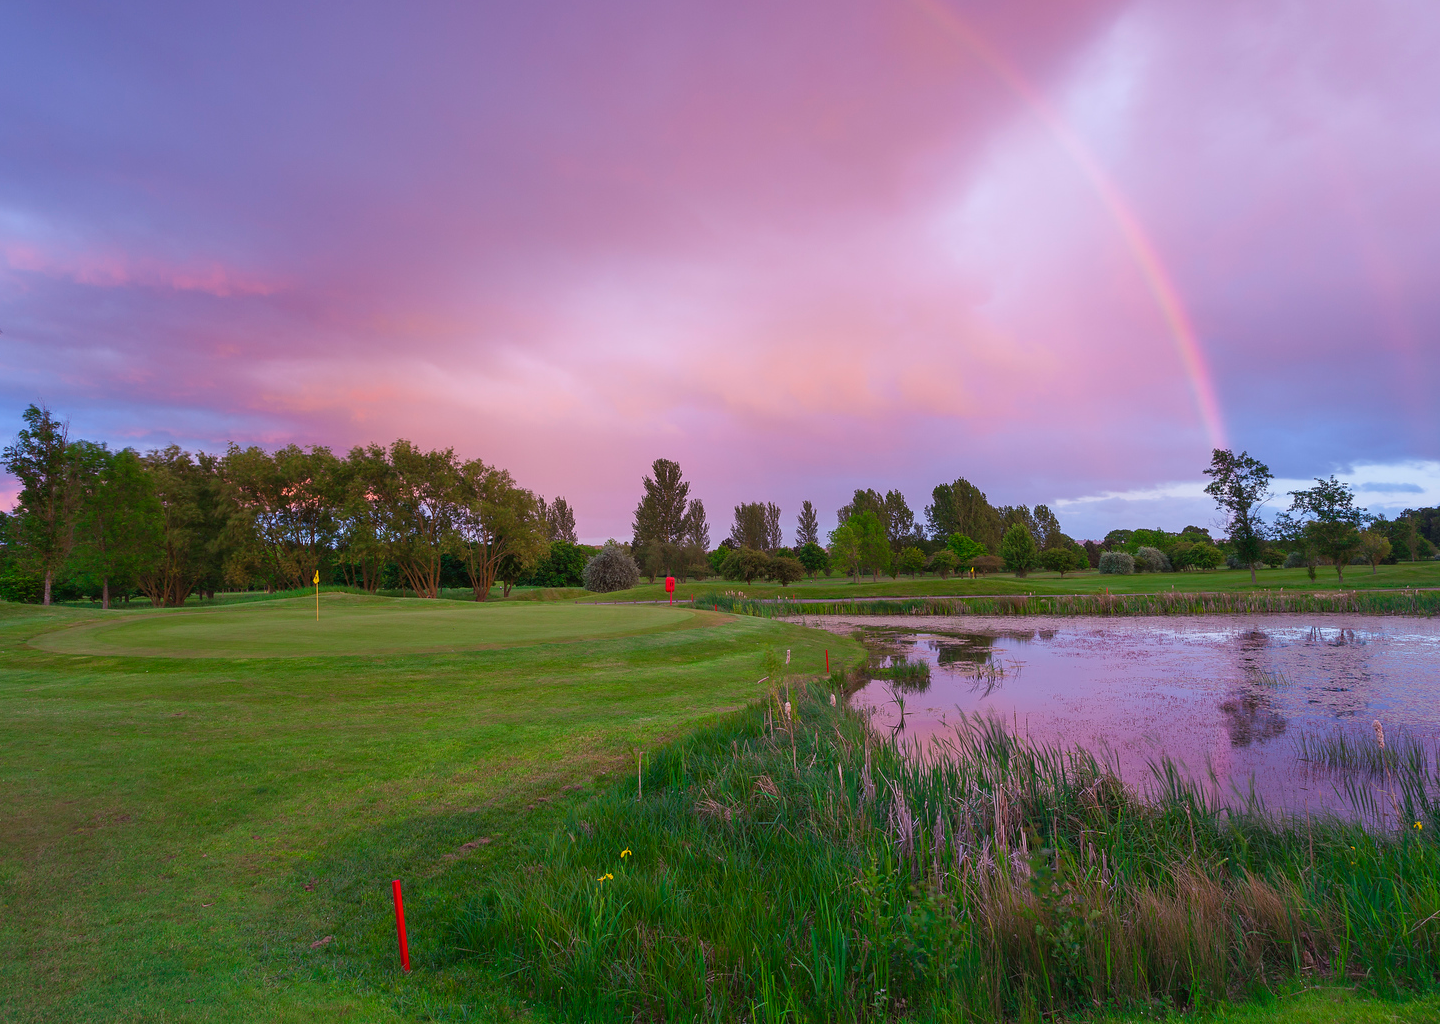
x=1147, y=260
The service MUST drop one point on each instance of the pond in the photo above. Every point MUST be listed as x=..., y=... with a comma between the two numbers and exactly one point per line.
x=1237, y=700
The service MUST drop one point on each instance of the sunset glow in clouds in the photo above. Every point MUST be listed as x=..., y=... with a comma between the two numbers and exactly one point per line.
x=1060, y=249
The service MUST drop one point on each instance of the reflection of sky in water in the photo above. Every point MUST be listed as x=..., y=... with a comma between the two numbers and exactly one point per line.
x=1227, y=692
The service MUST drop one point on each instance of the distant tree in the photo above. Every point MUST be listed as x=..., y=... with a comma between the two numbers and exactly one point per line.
x=1117, y=562
x=41, y=459
x=195, y=520
x=1240, y=486
x=286, y=509
x=716, y=558
x=1047, y=529
x=664, y=512
x=1061, y=560
x=559, y=520
x=911, y=560
x=987, y=563
x=961, y=507
x=1191, y=533
x=867, y=500
x=1018, y=550
x=1116, y=539
x=1152, y=559
x=611, y=569
x=117, y=530
x=1374, y=548
x=1013, y=515
x=899, y=520
x=813, y=557
x=845, y=549
x=563, y=566
x=964, y=549
x=785, y=570
x=745, y=564
x=807, y=530
x=875, y=550
x=943, y=563
x=757, y=526
x=1331, y=522
x=496, y=520
x=696, y=532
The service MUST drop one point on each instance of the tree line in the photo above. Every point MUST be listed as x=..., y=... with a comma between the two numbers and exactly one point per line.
x=170, y=523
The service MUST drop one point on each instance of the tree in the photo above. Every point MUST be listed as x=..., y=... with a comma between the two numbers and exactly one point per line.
x=1047, y=528
x=1018, y=550
x=1061, y=560
x=911, y=560
x=964, y=549
x=611, y=569
x=943, y=563
x=696, y=532
x=1330, y=520
x=287, y=504
x=745, y=564
x=961, y=507
x=872, y=545
x=813, y=557
x=785, y=570
x=497, y=523
x=1240, y=486
x=364, y=480
x=757, y=525
x=664, y=511
x=563, y=566
x=194, y=524
x=867, y=500
x=559, y=520
x=420, y=513
x=845, y=549
x=899, y=520
x=117, y=533
x=807, y=530
x=1374, y=548
x=1012, y=515
x=41, y=459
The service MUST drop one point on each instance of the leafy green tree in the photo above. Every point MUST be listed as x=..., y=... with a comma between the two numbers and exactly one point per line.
x=807, y=530
x=717, y=558
x=845, y=550
x=559, y=520
x=757, y=526
x=1240, y=486
x=964, y=549
x=420, y=514
x=745, y=564
x=785, y=570
x=961, y=507
x=117, y=530
x=813, y=557
x=194, y=526
x=287, y=504
x=911, y=560
x=1012, y=515
x=42, y=460
x=899, y=521
x=1374, y=548
x=1018, y=551
x=1047, y=528
x=1331, y=522
x=665, y=512
x=872, y=542
x=943, y=563
x=562, y=566
x=1061, y=560
x=496, y=520
x=363, y=479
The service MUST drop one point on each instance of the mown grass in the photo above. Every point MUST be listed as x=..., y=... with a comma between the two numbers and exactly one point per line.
x=178, y=832
x=773, y=868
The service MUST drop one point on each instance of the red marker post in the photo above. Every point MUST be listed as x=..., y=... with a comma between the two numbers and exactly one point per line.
x=827, y=661
x=400, y=927
x=670, y=587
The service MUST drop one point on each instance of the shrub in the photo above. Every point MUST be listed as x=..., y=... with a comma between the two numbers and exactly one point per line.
x=1295, y=560
x=1152, y=560
x=785, y=570
x=745, y=564
x=22, y=587
x=611, y=569
x=1117, y=563
x=1273, y=558
x=944, y=562
x=987, y=563
x=813, y=557
x=911, y=560
x=1061, y=560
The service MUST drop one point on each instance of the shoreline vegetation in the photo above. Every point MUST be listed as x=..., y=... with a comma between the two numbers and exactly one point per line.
x=789, y=863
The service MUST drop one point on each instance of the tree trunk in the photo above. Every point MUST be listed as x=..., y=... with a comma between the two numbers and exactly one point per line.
x=105, y=593
x=48, y=575
x=1252, y=572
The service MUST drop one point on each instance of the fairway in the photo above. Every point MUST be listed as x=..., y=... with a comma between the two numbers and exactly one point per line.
x=355, y=625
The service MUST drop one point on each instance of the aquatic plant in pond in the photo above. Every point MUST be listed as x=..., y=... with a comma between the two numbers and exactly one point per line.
x=806, y=868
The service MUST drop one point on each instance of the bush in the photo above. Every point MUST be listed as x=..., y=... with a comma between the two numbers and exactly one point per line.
x=1061, y=560
x=911, y=560
x=745, y=564
x=611, y=569
x=987, y=563
x=1273, y=558
x=1117, y=563
x=563, y=566
x=785, y=570
x=813, y=557
x=944, y=562
x=1149, y=559
x=22, y=587
x=1295, y=560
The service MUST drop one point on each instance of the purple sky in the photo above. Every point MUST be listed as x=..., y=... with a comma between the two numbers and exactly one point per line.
x=1058, y=249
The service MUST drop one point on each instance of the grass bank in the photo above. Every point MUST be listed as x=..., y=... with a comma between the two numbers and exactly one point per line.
x=793, y=867
x=212, y=839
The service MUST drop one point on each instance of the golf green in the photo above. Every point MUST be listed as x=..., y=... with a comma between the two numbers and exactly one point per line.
x=353, y=625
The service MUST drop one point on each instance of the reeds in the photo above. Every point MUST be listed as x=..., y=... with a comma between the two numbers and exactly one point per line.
x=804, y=868
x=1412, y=602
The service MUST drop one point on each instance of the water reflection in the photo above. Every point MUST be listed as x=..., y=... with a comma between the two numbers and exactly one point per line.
x=1226, y=695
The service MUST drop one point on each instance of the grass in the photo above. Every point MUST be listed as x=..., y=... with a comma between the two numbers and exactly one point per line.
x=1398, y=576
x=775, y=871
x=179, y=831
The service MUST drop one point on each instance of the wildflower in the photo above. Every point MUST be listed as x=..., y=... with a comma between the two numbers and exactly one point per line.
x=1418, y=826
x=606, y=877
x=625, y=853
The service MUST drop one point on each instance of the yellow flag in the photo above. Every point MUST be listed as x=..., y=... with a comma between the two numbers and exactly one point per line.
x=317, y=577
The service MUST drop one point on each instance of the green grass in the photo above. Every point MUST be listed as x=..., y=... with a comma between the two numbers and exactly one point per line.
x=178, y=831
x=1400, y=575
x=773, y=872
x=349, y=624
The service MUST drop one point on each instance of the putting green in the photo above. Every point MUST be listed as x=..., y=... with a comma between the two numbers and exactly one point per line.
x=350, y=624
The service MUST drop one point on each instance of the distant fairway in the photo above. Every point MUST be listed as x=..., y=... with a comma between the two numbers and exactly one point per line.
x=350, y=624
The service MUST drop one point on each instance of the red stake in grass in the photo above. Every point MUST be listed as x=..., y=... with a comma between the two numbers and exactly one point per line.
x=400, y=927
x=827, y=661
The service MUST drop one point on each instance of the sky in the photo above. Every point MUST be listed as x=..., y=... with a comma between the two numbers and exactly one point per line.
x=1062, y=250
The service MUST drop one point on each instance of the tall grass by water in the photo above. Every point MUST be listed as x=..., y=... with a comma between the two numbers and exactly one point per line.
x=790, y=864
x=1396, y=602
